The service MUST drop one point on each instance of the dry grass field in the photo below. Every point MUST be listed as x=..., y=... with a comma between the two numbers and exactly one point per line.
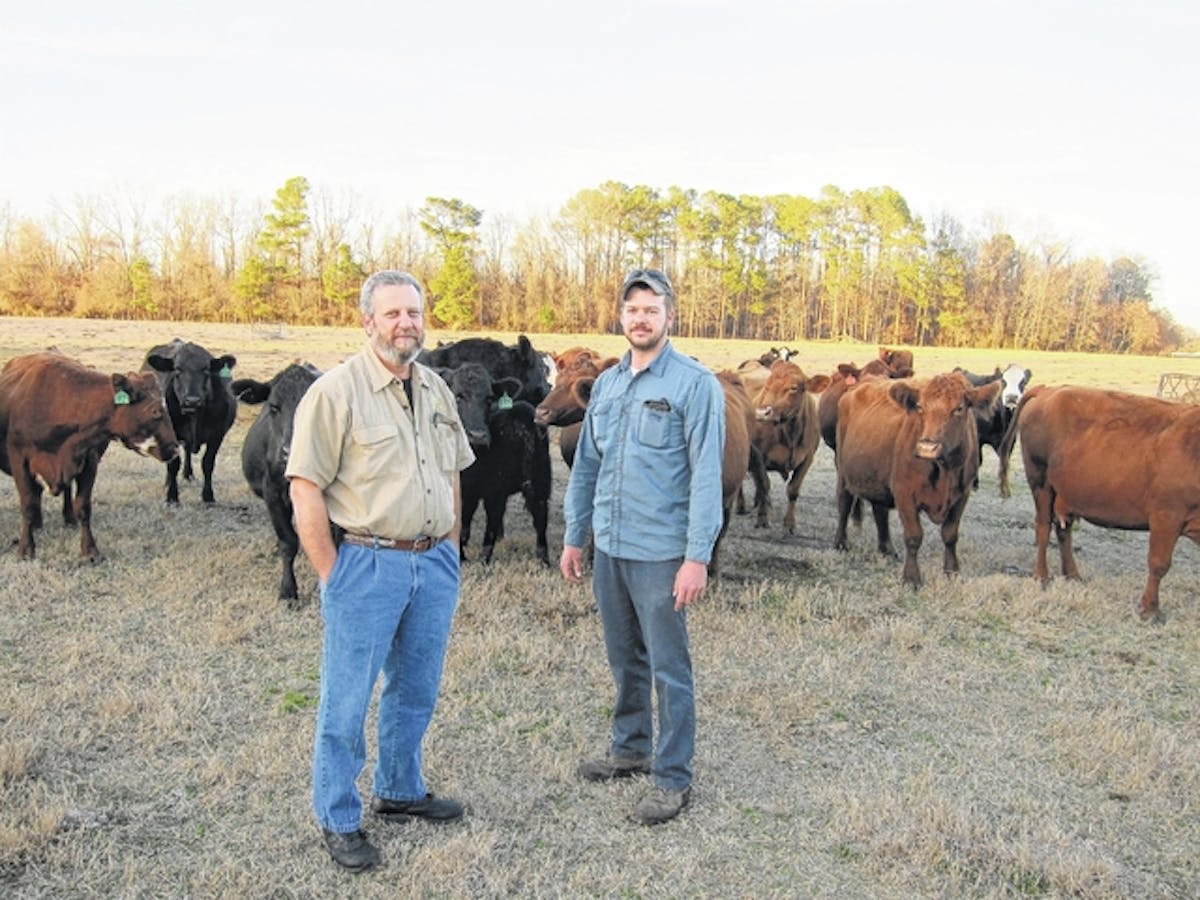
x=981, y=737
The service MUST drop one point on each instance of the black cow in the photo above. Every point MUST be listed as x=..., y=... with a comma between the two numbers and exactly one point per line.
x=195, y=385
x=993, y=423
x=512, y=455
x=265, y=457
x=517, y=461
x=521, y=362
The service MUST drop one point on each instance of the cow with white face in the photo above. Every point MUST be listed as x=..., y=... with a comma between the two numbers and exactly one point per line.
x=992, y=424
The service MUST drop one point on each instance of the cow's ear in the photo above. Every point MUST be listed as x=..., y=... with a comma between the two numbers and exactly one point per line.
x=525, y=345
x=124, y=392
x=160, y=363
x=818, y=383
x=905, y=396
x=984, y=398
x=223, y=366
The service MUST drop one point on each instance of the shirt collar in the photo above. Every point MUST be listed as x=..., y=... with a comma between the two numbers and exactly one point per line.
x=657, y=364
x=379, y=375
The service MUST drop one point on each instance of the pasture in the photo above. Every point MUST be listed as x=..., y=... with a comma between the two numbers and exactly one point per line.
x=983, y=736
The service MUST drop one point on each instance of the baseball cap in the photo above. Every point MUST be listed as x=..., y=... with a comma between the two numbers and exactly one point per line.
x=654, y=279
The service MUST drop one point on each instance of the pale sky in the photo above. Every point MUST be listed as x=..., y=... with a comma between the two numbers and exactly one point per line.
x=1073, y=122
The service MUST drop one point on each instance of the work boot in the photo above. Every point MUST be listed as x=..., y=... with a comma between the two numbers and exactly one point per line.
x=661, y=804
x=434, y=809
x=610, y=767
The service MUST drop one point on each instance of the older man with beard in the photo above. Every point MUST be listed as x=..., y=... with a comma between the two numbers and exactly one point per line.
x=376, y=453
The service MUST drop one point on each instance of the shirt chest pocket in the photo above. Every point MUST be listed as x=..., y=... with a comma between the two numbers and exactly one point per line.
x=376, y=450
x=445, y=444
x=658, y=428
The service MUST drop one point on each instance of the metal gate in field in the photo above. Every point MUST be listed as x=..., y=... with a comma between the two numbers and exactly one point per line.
x=1178, y=386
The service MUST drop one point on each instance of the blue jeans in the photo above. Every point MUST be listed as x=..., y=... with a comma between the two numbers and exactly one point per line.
x=385, y=611
x=647, y=643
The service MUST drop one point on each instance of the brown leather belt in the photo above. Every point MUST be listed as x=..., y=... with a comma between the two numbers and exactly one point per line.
x=420, y=545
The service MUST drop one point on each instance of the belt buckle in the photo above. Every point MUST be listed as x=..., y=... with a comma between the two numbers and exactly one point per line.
x=420, y=545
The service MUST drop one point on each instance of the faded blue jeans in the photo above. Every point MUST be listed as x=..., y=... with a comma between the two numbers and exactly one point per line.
x=647, y=644
x=385, y=611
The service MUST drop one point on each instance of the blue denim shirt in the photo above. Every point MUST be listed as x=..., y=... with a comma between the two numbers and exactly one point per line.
x=647, y=473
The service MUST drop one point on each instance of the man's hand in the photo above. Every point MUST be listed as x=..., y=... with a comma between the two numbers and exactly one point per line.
x=571, y=564
x=690, y=582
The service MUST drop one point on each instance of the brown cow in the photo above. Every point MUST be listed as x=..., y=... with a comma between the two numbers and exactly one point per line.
x=1114, y=459
x=567, y=400
x=786, y=432
x=845, y=377
x=913, y=446
x=57, y=418
x=739, y=456
x=896, y=359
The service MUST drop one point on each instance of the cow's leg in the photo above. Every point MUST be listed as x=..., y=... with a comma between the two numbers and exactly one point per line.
x=1163, y=536
x=279, y=506
x=173, y=479
x=1064, y=533
x=1041, y=530
x=762, y=487
x=883, y=529
x=469, y=503
x=84, y=482
x=845, y=500
x=910, y=521
x=68, y=506
x=493, y=507
x=187, y=465
x=207, y=464
x=539, y=509
x=35, y=505
x=793, y=492
x=29, y=498
x=950, y=527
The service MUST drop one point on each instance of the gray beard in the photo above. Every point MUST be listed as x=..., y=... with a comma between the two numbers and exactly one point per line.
x=390, y=355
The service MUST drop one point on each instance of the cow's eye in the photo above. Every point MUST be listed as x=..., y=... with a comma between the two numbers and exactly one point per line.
x=273, y=408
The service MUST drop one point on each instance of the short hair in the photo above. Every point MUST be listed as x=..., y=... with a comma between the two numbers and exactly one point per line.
x=366, y=299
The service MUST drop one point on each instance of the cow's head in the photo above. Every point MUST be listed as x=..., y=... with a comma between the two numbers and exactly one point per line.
x=535, y=385
x=1015, y=379
x=140, y=419
x=785, y=395
x=475, y=392
x=193, y=374
x=287, y=388
x=945, y=407
x=567, y=402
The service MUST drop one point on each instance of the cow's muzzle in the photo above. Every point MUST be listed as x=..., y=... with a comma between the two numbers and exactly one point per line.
x=928, y=449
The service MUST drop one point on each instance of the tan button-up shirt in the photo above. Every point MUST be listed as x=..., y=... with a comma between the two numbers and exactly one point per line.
x=385, y=467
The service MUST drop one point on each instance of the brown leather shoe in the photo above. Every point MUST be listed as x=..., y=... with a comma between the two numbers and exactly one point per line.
x=351, y=850
x=661, y=804
x=435, y=809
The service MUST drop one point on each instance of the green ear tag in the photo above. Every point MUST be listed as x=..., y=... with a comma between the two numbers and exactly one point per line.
x=226, y=372
x=120, y=398
x=504, y=402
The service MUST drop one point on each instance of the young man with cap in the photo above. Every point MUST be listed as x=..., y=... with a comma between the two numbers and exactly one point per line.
x=376, y=452
x=646, y=482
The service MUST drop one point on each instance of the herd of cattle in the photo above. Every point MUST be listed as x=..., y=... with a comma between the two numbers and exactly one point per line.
x=903, y=442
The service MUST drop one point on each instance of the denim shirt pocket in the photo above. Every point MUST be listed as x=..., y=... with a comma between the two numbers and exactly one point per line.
x=658, y=429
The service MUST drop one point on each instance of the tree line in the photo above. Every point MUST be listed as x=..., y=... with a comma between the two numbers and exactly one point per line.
x=844, y=265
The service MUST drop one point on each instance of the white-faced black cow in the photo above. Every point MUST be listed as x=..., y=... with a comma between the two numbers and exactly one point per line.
x=265, y=457
x=202, y=408
x=992, y=424
x=512, y=455
x=57, y=417
x=521, y=362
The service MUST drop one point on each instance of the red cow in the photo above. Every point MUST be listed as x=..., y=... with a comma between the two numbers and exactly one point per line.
x=846, y=376
x=57, y=418
x=739, y=455
x=786, y=432
x=567, y=400
x=1114, y=459
x=912, y=446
